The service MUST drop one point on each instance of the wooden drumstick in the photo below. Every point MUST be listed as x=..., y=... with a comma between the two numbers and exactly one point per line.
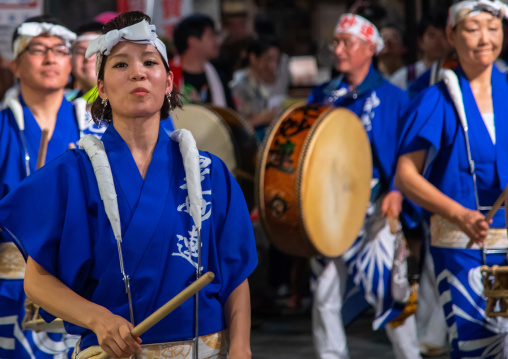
x=499, y=202
x=167, y=308
x=43, y=148
x=393, y=222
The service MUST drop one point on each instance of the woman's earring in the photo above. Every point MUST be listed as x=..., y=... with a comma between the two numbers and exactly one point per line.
x=104, y=101
x=168, y=96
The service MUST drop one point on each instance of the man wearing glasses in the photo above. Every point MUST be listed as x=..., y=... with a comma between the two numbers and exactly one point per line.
x=42, y=67
x=362, y=275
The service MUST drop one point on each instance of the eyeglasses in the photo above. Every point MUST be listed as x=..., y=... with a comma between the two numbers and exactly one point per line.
x=348, y=44
x=41, y=50
x=79, y=51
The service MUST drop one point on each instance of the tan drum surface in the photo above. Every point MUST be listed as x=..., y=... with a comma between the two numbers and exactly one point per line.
x=209, y=130
x=314, y=180
x=226, y=134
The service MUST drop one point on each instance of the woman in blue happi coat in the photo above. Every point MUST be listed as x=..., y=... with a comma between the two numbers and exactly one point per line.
x=454, y=163
x=58, y=219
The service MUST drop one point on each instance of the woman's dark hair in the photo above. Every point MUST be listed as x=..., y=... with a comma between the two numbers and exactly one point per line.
x=258, y=46
x=438, y=20
x=102, y=114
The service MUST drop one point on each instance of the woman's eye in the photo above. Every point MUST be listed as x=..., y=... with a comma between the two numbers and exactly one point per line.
x=150, y=63
x=493, y=28
x=471, y=29
x=120, y=64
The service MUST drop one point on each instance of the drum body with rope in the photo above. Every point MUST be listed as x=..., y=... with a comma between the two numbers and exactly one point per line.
x=495, y=281
x=313, y=180
x=227, y=135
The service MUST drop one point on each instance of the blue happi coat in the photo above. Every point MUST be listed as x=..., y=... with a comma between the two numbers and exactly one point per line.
x=18, y=343
x=431, y=123
x=74, y=240
x=379, y=105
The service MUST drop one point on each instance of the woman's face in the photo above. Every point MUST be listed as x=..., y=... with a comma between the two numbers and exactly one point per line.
x=478, y=39
x=135, y=80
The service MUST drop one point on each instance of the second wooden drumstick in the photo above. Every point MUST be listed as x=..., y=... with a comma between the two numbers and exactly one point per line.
x=167, y=308
x=43, y=148
x=496, y=206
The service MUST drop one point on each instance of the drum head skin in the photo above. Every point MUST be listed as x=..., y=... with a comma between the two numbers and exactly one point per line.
x=335, y=181
x=209, y=131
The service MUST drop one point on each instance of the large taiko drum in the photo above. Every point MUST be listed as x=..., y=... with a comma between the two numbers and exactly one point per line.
x=226, y=134
x=313, y=180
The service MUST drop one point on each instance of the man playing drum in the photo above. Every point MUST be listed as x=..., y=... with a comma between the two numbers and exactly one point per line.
x=42, y=66
x=454, y=163
x=367, y=264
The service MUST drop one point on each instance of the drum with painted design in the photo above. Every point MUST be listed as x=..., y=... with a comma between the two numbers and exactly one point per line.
x=226, y=134
x=313, y=180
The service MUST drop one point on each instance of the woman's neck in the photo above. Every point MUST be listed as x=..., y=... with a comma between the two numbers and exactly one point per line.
x=141, y=135
x=192, y=63
x=478, y=76
x=44, y=106
x=481, y=86
x=388, y=65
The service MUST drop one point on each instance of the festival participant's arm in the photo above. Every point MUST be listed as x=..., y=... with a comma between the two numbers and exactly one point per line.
x=409, y=180
x=392, y=204
x=113, y=331
x=237, y=313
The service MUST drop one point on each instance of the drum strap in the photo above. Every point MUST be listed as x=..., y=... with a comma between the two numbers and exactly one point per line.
x=190, y=154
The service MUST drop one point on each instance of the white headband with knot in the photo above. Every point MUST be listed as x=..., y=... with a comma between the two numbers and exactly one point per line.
x=464, y=9
x=28, y=30
x=140, y=33
x=359, y=26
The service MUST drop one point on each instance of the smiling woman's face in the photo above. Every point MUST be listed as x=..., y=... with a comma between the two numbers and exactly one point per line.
x=478, y=39
x=135, y=80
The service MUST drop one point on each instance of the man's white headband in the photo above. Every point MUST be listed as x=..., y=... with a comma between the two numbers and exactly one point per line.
x=28, y=30
x=361, y=27
x=462, y=10
x=140, y=33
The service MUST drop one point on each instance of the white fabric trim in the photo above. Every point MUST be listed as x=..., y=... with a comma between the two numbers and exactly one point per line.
x=17, y=111
x=140, y=33
x=190, y=155
x=94, y=148
x=80, y=108
x=29, y=30
x=488, y=119
x=216, y=88
x=469, y=8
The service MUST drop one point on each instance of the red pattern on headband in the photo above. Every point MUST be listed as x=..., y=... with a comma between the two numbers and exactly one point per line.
x=347, y=22
x=367, y=31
